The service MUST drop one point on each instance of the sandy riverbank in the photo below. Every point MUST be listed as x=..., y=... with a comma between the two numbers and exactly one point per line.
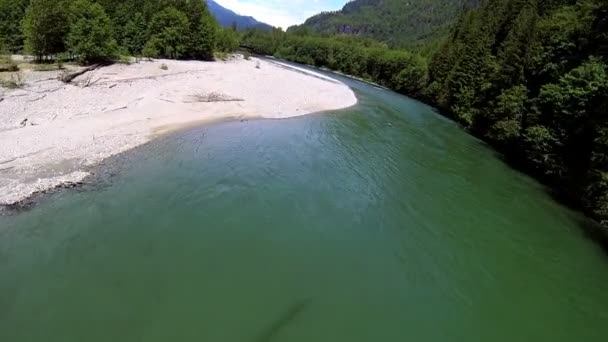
x=72, y=127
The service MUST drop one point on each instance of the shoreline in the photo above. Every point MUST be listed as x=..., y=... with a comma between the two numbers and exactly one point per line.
x=72, y=129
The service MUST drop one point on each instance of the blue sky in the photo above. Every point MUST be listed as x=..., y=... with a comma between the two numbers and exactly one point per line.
x=281, y=13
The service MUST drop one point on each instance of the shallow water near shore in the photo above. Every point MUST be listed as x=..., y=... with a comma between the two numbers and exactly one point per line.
x=381, y=222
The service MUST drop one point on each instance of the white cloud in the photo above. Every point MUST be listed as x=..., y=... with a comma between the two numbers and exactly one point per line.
x=281, y=13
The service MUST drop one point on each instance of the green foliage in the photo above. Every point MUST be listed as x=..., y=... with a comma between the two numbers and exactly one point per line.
x=529, y=76
x=532, y=77
x=10, y=67
x=124, y=59
x=398, y=69
x=170, y=34
x=91, y=36
x=507, y=115
x=150, y=50
x=11, y=33
x=45, y=26
x=184, y=31
x=542, y=146
x=399, y=23
x=222, y=56
x=203, y=38
x=7, y=64
x=227, y=40
x=135, y=35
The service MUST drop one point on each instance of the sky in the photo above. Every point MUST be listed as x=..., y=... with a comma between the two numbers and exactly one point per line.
x=281, y=13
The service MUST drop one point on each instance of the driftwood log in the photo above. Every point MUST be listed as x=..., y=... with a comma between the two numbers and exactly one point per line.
x=69, y=77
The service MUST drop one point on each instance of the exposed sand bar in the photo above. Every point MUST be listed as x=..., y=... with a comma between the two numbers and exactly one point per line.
x=72, y=127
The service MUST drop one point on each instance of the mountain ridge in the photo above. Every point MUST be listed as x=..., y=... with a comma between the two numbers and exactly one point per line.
x=227, y=18
x=395, y=22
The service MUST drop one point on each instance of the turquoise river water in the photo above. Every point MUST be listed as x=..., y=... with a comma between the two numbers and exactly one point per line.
x=381, y=222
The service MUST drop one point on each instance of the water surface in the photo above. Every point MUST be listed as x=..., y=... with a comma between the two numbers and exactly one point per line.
x=382, y=222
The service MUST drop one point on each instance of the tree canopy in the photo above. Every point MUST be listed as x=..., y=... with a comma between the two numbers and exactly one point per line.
x=91, y=36
x=399, y=23
x=531, y=77
x=99, y=29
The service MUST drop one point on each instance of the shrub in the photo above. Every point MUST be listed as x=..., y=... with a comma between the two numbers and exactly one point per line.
x=227, y=40
x=7, y=64
x=9, y=67
x=16, y=81
x=150, y=51
x=126, y=60
x=170, y=37
x=222, y=56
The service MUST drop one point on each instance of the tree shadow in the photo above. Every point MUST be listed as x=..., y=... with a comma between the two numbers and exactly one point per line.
x=595, y=232
x=590, y=228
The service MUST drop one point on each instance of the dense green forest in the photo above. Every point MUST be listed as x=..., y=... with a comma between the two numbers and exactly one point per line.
x=97, y=30
x=397, y=69
x=528, y=76
x=531, y=77
x=399, y=23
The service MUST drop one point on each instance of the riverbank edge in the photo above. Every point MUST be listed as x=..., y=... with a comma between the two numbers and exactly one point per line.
x=83, y=176
x=101, y=173
x=109, y=167
x=592, y=227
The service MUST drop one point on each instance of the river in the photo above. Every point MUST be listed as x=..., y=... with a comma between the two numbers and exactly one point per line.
x=381, y=222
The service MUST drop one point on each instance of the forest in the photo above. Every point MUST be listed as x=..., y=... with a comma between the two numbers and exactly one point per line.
x=411, y=24
x=101, y=30
x=529, y=77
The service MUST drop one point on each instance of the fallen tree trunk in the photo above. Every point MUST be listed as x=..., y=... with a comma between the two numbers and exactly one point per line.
x=69, y=77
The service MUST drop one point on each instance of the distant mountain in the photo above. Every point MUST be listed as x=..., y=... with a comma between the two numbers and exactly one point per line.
x=227, y=17
x=396, y=22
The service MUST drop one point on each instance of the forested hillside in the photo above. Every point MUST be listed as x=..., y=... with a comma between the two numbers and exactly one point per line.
x=396, y=22
x=228, y=18
x=94, y=30
x=531, y=77
x=528, y=76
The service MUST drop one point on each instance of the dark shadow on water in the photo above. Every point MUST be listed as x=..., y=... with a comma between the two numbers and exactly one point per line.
x=287, y=317
x=590, y=228
x=595, y=232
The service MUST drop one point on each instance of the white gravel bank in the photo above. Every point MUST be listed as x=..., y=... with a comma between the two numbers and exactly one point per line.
x=71, y=127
